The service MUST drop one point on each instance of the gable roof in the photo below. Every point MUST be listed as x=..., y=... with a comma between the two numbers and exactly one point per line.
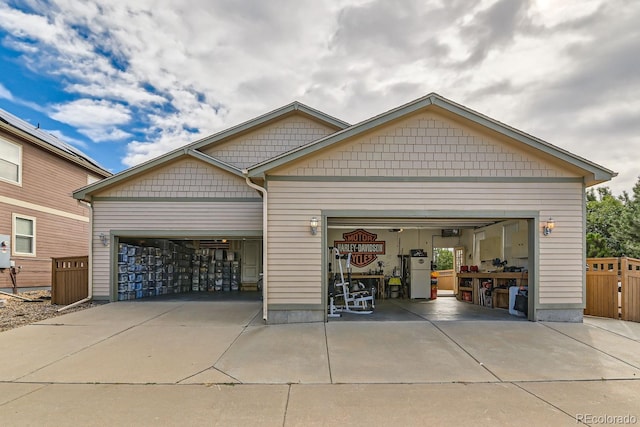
x=37, y=136
x=271, y=117
x=598, y=173
x=85, y=192
x=192, y=149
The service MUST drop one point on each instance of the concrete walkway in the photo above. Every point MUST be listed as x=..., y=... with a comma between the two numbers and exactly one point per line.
x=214, y=363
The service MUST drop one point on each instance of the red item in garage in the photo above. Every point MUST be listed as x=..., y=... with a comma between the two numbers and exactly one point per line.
x=434, y=284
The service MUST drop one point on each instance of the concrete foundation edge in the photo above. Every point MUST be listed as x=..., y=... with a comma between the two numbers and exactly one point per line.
x=560, y=315
x=276, y=317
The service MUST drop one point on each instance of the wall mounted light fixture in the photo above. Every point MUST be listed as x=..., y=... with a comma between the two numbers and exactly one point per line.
x=548, y=226
x=104, y=239
x=313, y=224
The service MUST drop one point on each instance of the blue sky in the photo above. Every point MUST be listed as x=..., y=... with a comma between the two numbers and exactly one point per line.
x=127, y=81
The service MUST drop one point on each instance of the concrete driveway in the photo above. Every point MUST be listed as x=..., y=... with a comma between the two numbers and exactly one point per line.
x=215, y=363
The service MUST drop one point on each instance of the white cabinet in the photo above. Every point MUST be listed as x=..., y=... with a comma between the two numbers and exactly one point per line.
x=520, y=245
x=491, y=248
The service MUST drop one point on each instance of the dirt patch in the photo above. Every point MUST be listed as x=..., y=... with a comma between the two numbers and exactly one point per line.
x=15, y=312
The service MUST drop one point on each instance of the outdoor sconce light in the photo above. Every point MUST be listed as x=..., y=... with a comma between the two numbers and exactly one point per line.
x=548, y=227
x=314, y=225
x=104, y=239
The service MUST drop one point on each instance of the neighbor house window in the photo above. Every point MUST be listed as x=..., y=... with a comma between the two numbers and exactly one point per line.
x=10, y=161
x=24, y=235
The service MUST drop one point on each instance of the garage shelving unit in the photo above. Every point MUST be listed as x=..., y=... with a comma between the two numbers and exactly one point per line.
x=471, y=285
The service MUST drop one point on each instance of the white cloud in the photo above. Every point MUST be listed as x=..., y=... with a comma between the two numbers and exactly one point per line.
x=5, y=93
x=89, y=113
x=43, y=30
x=162, y=73
x=103, y=134
x=99, y=120
x=139, y=152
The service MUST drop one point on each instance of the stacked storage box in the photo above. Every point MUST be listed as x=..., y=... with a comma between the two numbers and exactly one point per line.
x=221, y=274
x=145, y=271
x=165, y=270
x=168, y=268
x=202, y=264
x=217, y=275
x=204, y=272
x=228, y=275
x=195, y=281
x=131, y=271
x=123, y=272
x=184, y=269
x=235, y=275
x=211, y=276
x=134, y=279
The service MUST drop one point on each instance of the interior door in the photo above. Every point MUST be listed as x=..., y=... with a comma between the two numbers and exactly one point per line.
x=251, y=261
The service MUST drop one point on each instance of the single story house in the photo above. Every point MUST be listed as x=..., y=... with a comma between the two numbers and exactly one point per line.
x=271, y=196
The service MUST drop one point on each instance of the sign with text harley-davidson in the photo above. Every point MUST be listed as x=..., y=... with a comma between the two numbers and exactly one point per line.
x=363, y=246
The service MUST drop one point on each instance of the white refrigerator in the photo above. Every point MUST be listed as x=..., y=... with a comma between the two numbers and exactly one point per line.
x=420, y=271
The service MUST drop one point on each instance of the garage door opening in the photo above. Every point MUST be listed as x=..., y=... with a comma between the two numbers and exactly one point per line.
x=152, y=267
x=482, y=265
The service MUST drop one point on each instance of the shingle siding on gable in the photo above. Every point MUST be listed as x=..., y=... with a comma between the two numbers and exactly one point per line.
x=426, y=145
x=269, y=141
x=184, y=178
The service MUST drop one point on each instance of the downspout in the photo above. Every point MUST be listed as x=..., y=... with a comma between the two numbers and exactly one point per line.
x=90, y=266
x=265, y=276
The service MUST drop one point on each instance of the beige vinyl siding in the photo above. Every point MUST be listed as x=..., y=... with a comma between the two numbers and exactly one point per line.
x=295, y=269
x=185, y=177
x=269, y=141
x=428, y=145
x=170, y=216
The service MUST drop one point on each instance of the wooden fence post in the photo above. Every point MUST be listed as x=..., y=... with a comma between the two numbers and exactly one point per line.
x=630, y=283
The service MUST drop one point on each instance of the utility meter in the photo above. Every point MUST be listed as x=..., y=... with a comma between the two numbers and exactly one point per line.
x=5, y=251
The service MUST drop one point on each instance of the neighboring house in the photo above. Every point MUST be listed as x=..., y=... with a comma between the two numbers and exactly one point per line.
x=444, y=174
x=38, y=174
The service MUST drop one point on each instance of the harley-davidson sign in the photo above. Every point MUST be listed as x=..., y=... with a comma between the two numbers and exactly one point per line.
x=363, y=246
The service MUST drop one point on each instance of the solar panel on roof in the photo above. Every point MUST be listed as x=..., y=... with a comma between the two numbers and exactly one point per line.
x=16, y=122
